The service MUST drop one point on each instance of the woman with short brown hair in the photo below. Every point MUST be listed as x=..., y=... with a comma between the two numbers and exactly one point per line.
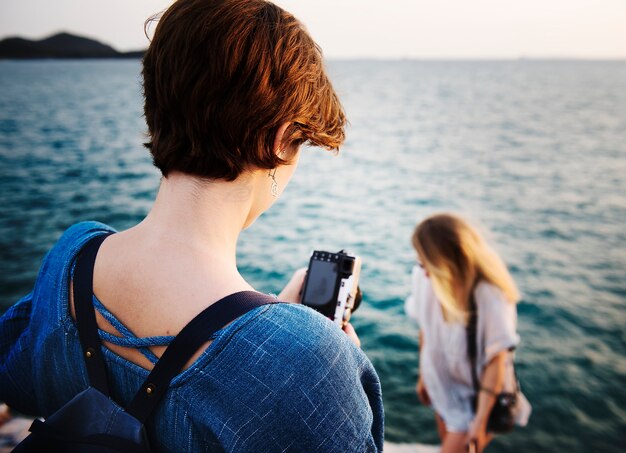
x=232, y=89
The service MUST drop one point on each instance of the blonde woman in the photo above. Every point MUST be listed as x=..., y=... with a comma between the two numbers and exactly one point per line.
x=454, y=263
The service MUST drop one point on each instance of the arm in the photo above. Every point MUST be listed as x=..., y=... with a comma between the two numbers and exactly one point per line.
x=15, y=360
x=412, y=309
x=491, y=384
x=497, y=321
x=420, y=340
x=338, y=391
x=422, y=393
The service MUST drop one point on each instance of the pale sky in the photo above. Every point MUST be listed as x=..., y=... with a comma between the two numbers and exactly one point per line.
x=367, y=28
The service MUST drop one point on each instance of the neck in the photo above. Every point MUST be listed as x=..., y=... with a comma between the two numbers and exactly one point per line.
x=204, y=215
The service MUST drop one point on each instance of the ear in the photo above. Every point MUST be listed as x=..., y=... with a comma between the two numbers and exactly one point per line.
x=278, y=139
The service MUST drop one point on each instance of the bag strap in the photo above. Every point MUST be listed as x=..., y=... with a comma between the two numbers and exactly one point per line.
x=472, y=346
x=86, y=315
x=186, y=344
x=197, y=332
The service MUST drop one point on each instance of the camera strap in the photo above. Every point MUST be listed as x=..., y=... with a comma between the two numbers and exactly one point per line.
x=472, y=347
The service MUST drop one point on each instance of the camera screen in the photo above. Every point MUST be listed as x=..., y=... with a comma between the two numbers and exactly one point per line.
x=321, y=281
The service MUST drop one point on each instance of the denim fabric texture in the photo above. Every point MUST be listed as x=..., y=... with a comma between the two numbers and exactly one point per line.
x=280, y=378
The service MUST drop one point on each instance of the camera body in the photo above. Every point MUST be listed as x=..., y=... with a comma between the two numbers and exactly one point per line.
x=331, y=285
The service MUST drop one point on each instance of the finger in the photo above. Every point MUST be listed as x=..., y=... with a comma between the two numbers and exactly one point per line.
x=301, y=272
x=296, y=284
x=293, y=291
x=470, y=445
x=5, y=414
x=349, y=330
x=300, y=276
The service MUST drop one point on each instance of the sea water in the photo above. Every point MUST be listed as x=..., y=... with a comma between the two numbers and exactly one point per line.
x=533, y=151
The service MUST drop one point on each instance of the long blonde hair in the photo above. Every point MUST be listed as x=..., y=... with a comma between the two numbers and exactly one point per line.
x=457, y=258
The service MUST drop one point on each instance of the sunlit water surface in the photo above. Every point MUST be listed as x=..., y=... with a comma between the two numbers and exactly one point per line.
x=534, y=151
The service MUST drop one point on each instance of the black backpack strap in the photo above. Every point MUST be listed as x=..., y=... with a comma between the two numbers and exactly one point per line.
x=472, y=347
x=186, y=344
x=86, y=315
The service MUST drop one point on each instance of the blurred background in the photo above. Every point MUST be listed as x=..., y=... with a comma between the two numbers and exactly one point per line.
x=511, y=113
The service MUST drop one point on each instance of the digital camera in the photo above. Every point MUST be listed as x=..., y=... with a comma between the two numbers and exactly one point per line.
x=331, y=285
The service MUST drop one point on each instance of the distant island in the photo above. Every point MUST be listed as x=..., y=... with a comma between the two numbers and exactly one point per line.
x=61, y=45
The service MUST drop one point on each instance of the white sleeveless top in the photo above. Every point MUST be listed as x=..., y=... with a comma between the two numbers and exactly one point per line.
x=444, y=363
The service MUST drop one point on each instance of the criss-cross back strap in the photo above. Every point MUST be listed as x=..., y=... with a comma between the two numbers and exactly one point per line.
x=186, y=344
x=197, y=332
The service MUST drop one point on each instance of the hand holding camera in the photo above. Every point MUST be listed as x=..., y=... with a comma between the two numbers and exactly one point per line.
x=330, y=285
x=292, y=292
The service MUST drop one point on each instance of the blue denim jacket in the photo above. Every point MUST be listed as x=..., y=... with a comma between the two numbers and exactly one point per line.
x=280, y=378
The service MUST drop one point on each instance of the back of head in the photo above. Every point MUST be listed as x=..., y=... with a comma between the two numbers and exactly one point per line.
x=457, y=258
x=221, y=77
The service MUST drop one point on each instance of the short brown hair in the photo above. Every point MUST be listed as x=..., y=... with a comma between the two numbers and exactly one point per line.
x=221, y=76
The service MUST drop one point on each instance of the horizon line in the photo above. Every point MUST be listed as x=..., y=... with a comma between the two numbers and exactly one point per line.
x=522, y=57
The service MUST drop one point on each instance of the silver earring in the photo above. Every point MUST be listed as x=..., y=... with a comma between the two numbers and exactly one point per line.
x=274, y=188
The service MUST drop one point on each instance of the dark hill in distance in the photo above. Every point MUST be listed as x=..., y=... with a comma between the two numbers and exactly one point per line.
x=61, y=45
